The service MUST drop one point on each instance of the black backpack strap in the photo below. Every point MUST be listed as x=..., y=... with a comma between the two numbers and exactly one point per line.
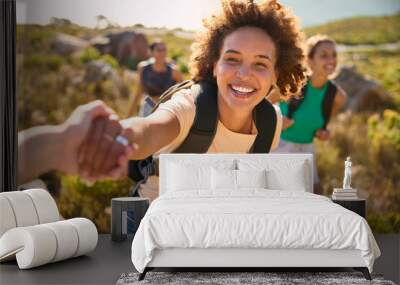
x=203, y=130
x=171, y=91
x=294, y=103
x=139, y=171
x=265, y=119
x=327, y=103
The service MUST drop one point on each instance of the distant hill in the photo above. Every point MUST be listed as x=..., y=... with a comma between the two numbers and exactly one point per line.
x=361, y=30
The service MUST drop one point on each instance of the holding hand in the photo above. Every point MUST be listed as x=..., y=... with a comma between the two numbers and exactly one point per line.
x=45, y=148
x=104, y=153
x=286, y=123
x=75, y=129
x=322, y=135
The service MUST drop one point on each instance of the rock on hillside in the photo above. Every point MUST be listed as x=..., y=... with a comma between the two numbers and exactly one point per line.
x=364, y=94
x=64, y=44
x=99, y=70
x=123, y=45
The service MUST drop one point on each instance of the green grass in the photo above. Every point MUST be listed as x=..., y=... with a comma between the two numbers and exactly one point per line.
x=361, y=30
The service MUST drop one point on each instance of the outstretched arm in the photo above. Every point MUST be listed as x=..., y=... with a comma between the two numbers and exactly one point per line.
x=177, y=75
x=339, y=101
x=148, y=135
x=45, y=148
x=144, y=136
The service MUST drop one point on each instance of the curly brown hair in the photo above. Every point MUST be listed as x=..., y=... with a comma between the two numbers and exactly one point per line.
x=270, y=16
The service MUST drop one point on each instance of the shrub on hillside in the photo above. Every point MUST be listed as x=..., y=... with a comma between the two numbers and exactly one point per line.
x=89, y=54
x=375, y=151
x=77, y=199
x=44, y=62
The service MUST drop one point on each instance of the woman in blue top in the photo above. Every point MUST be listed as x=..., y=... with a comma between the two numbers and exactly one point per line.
x=306, y=118
x=156, y=75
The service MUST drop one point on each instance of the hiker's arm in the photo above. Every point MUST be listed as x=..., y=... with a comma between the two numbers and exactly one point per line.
x=150, y=134
x=138, y=94
x=177, y=76
x=339, y=101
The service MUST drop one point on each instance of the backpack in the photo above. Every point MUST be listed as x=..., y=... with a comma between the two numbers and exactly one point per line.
x=204, y=127
x=327, y=103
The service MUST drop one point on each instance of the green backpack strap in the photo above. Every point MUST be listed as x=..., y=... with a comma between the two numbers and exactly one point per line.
x=295, y=102
x=327, y=103
x=203, y=130
x=265, y=119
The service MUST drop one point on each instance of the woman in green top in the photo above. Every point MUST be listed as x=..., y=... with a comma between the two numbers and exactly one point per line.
x=306, y=118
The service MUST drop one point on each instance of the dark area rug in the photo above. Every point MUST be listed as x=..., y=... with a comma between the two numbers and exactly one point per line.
x=243, y=278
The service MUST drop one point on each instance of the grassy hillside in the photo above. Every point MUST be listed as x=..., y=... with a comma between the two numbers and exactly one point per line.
x=361, y=30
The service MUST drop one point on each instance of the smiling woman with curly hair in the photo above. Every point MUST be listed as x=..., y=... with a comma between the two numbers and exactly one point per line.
x=246, y=51
x=270, y=17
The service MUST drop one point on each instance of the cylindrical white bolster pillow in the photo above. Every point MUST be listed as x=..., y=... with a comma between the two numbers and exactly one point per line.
x=41, y=244
x=87, y=235
x=23, y=208
x=33, y=246
x=46, y=207
x=7, y=218
x=67, y=240
x=26, y=208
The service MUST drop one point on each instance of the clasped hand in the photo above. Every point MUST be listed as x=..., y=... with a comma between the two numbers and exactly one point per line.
x=104, y=152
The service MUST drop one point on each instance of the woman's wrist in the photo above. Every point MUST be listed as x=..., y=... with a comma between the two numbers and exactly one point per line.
x=40, y=150
x=59, y=149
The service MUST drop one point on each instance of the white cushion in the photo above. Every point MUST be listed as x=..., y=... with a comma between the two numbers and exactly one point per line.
x=87, y=234
x=185, y=175
x=230, y=180
x=23, y=208
x=66, y=237
x=34, y=244
x=7, y=218
x=223, y=179
x=26, y=208
x=251, y=178
x=46, y=207
x=292, y=181
x=282, y=174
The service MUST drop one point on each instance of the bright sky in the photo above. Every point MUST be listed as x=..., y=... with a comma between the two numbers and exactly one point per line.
x=186, y=14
